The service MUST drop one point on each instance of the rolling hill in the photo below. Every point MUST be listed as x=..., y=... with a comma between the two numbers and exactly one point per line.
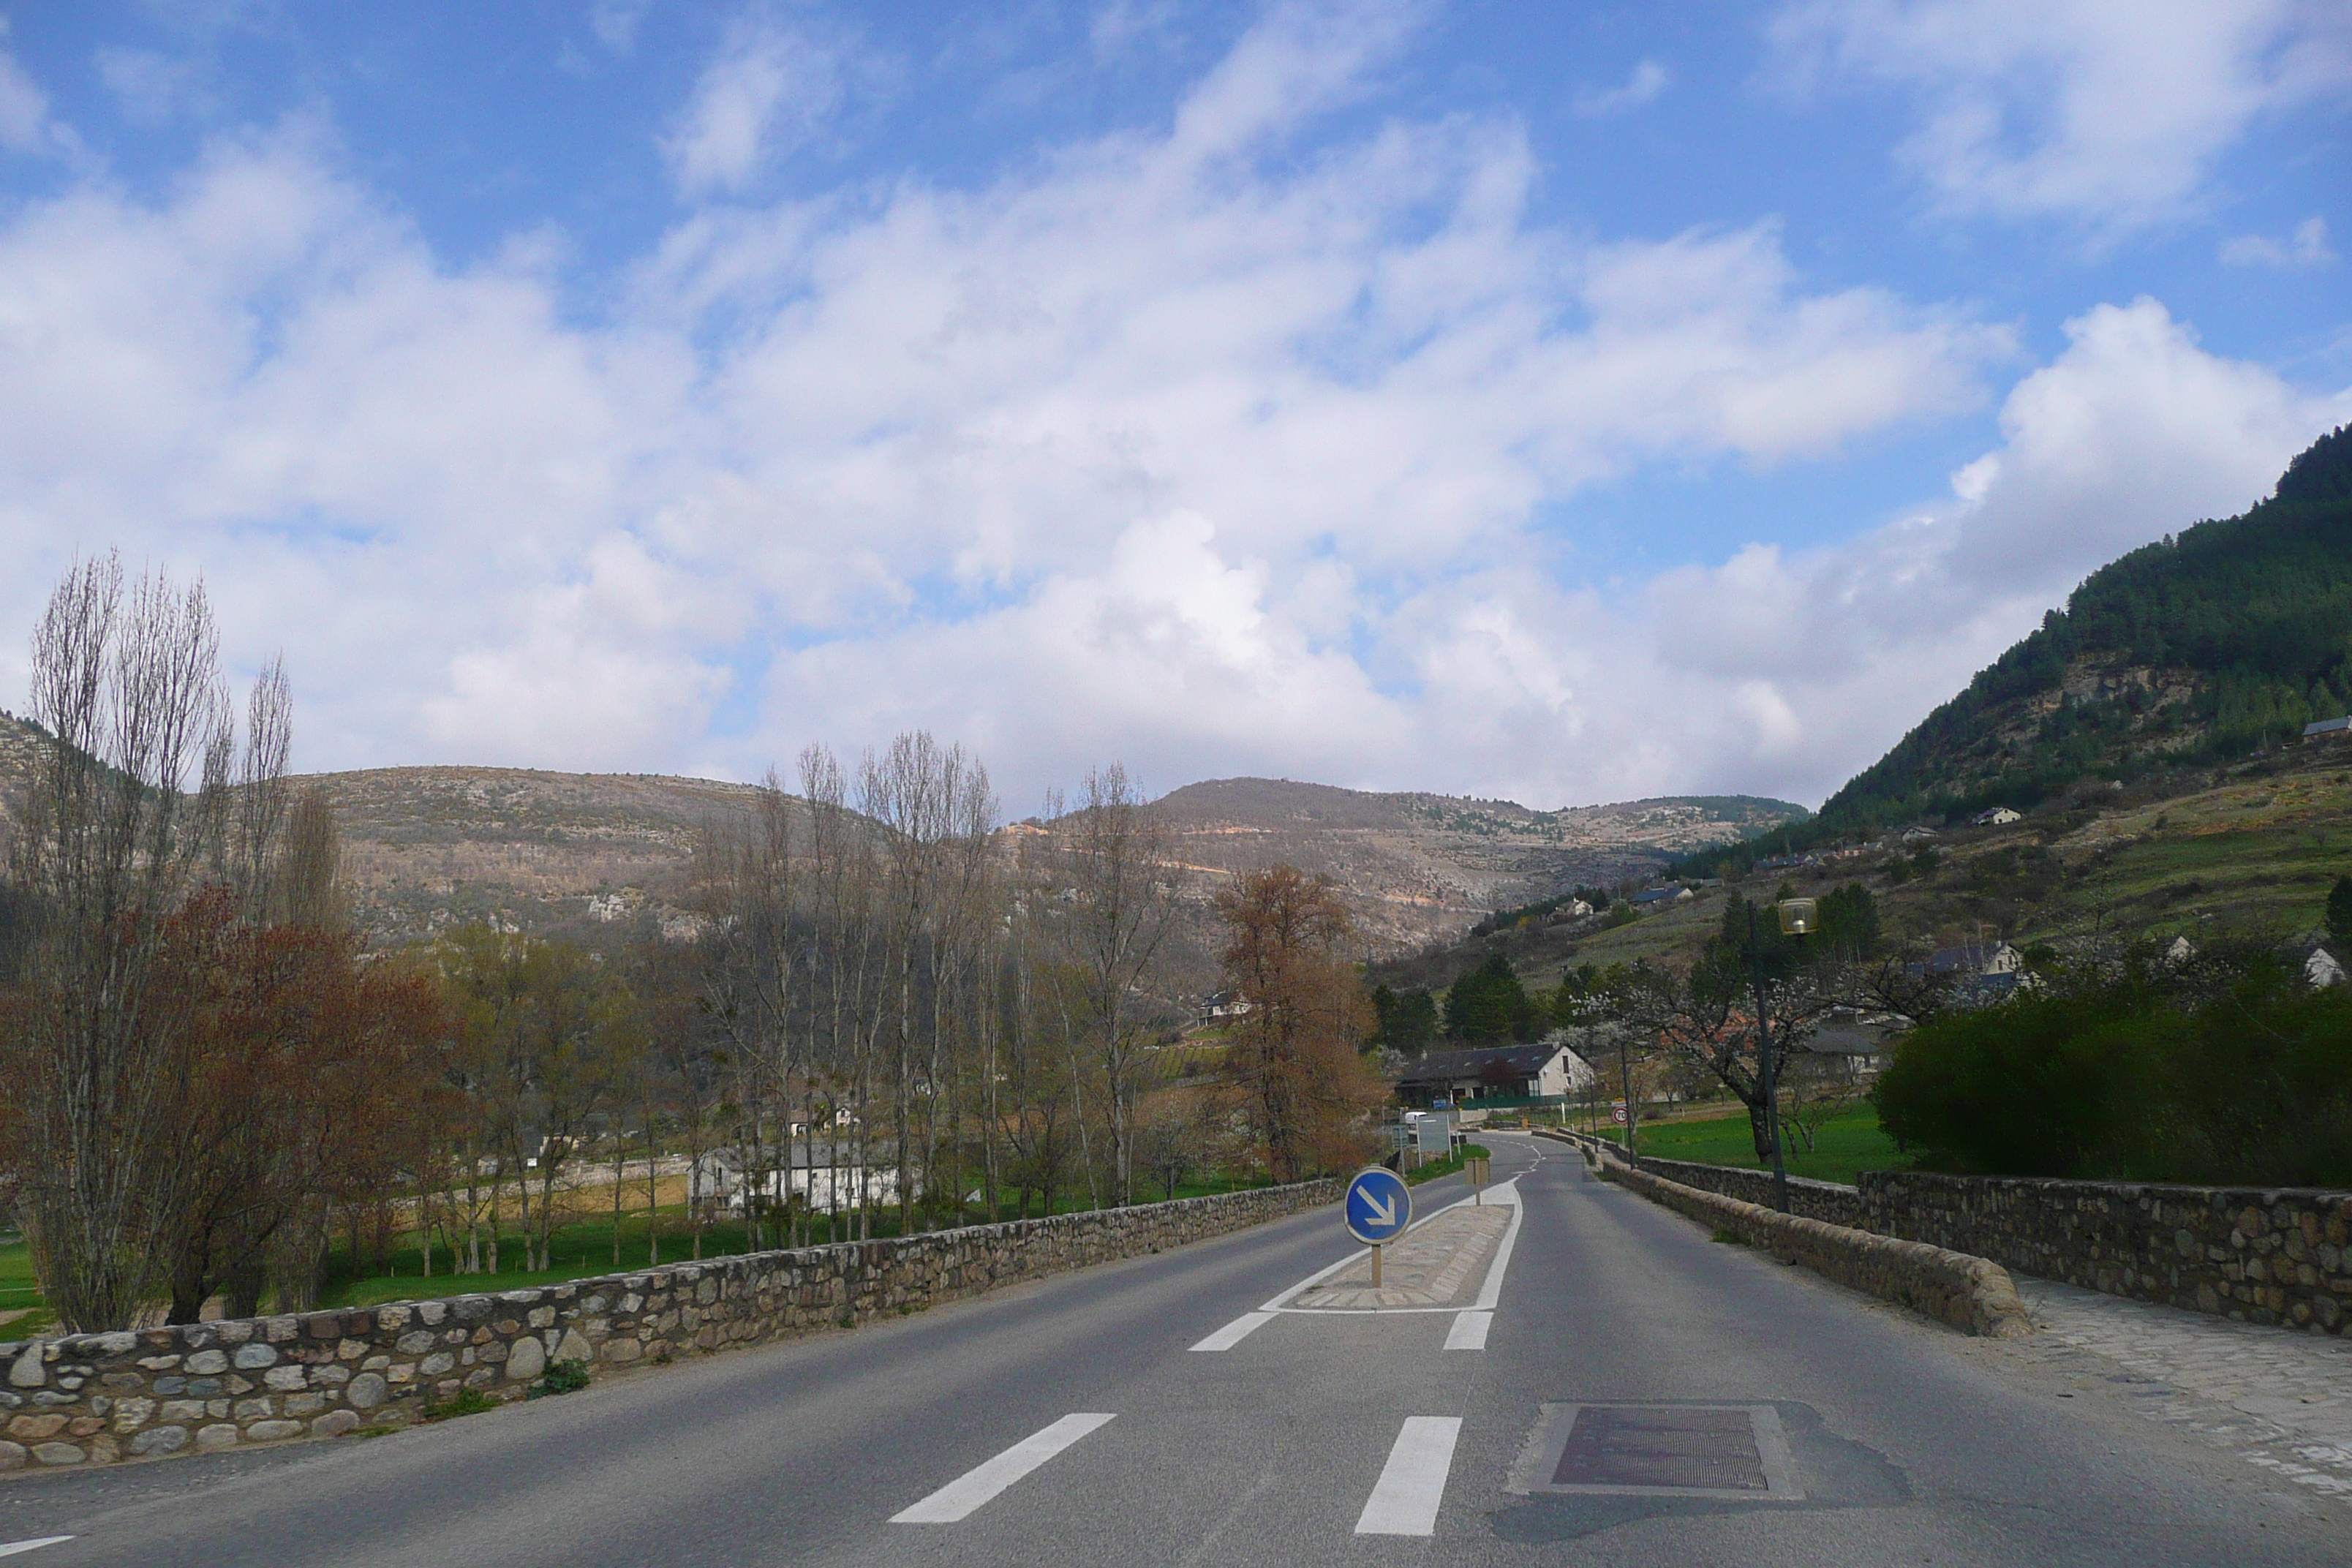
x=1420, y=867
x=428, y=848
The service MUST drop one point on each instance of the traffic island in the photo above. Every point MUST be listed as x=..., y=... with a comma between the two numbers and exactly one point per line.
x=1436, y=1264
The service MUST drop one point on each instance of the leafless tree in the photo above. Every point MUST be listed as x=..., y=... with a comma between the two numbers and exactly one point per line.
x=1109, y=866
x=126, y=682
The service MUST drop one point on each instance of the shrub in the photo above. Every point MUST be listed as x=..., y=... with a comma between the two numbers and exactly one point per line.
x=465, y=1401
x=2234, y=1072
x=565, y=1377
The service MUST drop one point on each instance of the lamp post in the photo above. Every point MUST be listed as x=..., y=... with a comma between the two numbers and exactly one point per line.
x=1797, y=918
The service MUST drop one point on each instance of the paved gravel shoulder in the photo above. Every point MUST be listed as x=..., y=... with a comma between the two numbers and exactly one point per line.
x=2274, y=1398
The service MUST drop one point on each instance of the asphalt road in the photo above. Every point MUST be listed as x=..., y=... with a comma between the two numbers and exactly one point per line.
x=1071, y=1421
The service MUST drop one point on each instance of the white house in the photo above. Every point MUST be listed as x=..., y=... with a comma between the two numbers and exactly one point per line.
x=1995, y=816
x=1544, y=1070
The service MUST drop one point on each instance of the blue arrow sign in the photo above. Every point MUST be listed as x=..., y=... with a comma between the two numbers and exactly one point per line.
x=1379, y=1206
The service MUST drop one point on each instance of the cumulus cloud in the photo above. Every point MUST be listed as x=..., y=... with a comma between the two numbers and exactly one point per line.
x=2308, y=247
x=1648, y=81
x=1168, y=446
x=2133, y=433
x=770, y=90
x=2111, y=111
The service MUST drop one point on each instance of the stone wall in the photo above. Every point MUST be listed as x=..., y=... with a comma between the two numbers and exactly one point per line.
x=1825, y=1201
x=98, y=1398
x=1973, y=1294
x=2262, y=1255
x=2273, y=1255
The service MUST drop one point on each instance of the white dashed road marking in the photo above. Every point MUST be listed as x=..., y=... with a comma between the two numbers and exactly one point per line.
x=1469, y=1331
x=1234, y=1333
x=10, y=1548
x=1412, y=1483
x=976, y=1486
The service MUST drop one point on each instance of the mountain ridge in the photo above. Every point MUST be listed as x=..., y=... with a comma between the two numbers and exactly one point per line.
x=427, y=846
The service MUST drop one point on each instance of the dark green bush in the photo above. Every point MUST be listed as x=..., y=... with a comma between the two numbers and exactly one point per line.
x=565, y=1377
x=2232, y=1074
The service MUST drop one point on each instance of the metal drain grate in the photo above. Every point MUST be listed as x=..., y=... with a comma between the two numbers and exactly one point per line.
x=1660, y=1450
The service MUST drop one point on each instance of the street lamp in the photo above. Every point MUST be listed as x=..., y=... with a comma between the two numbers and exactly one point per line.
x=1798, y=918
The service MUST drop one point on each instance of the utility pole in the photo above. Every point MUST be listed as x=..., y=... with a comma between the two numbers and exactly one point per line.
x=1625, y=1082
x=1764, y=1057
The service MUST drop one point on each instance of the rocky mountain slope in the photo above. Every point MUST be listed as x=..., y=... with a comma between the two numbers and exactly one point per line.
x=428, y=848
x=1420, y=867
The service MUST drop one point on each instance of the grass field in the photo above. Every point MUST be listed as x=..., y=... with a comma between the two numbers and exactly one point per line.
x=1852, y=1143
x=585, y=1249
x=20, y=1293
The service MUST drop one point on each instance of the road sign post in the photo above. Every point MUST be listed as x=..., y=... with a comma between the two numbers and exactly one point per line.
x=1376, y=1211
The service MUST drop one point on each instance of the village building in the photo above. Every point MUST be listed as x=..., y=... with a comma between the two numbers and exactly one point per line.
x=1545, y=1070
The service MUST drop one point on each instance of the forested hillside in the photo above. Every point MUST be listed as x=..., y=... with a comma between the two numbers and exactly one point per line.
x=2230, y=636
x=2223, y=640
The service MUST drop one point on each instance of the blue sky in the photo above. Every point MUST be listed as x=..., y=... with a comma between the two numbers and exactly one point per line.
x=1560, y=402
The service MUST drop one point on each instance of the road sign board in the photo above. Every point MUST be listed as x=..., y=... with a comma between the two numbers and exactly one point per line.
x=1379, y=1206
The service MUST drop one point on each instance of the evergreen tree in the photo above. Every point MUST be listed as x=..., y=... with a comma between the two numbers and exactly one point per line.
x=2339, y=916
x=1408, y=1019
x=1489, y=1004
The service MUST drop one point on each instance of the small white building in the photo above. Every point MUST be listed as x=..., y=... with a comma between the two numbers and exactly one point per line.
x=718, y=1178
x=1995, y=816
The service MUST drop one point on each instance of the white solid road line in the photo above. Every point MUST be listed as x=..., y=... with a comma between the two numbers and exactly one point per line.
x=1508, y=1191
x=10, y=1549
x=1412, y=1483
x=1469, y=1331
x=976, y=1486
x=1234, y=1333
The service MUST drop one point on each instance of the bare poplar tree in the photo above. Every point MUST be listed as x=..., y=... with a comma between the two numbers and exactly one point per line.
x=1110, y=861
x=307, y=886
x=925, y=798
x=126, y=681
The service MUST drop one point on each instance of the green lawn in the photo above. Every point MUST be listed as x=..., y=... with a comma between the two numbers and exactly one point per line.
x=19, y=1292
x=1852, y=1142
x=1449, y=1165
x=585, y=1248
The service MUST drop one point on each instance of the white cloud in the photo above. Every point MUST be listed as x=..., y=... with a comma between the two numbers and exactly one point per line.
x=1648, y=81
x=2133, y=433
x=151, y=87
x=1154, y=448
x=2112, y=111
x=25, y=122
x=2308, y=247
x=770, y=91
x=615, y=23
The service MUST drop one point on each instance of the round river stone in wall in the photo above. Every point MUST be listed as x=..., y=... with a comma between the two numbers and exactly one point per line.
x=159, y=1440
x=527, y=1359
